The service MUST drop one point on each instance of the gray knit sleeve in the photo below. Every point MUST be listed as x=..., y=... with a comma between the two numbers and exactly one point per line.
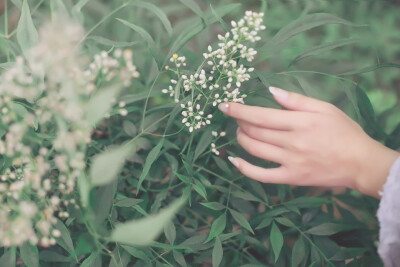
x=389, y=218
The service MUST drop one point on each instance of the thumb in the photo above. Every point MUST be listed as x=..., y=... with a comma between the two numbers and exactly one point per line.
x=298, y=102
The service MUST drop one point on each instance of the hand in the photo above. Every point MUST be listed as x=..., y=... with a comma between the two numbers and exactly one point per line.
x=315, y=143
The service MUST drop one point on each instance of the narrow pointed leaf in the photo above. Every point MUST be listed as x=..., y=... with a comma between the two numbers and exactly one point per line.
x=213, y=205
x=298, y=252
x=153, y=155
x=317, y=50
x=240, y=219
x=276, y=240
x=217, y=253
x=147, y=37
x=107, y=165
x=29, y=254
x=217, y=227
x=142, y=232
x=158, y=12
x=27, y=35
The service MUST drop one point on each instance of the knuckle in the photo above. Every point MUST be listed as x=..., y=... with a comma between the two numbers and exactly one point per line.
x=251, y=131
x=300, y=146
x=253, y=150
x=312, y=124
x=331, y=107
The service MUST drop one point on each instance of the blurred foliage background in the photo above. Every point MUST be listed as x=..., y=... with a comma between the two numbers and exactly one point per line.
x=355, y=66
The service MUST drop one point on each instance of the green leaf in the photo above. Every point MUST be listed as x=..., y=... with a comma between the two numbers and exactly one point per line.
x=221, y=22
x=77, y=10
x=179, y=258
x=217, y=227
x=84, y=189
x=307, y=202
x=265, y=223
x=170, y=232
x=223, y=165
x=367, y=113
x=142, y=232
x=213, y=205
x=100, y=104
x=393, y=140
x=298, y=252
x=51, y=256
x=240, y=219
x=17, y=4
x=137, y=253
x=285, y=221
x=329, y=229
x=217, y=253
x=199, y=188
x=128, y=202
x=58, y=9
x=158, y=12
x=264, y=6
x=245, y=195
x=153, y=155
x=104, y=198
x=147, y=37
x=192, y=5
x=9, y=257
x=306, y=23
x=129, y=128
x=27, y=35
x=204, y=143
x=276, y=240
x=183, y=178
x=371, y=68
x=65, y=240
x=108, y=42
x=106, y=166
x=317, y=50
x=198, y=26
x=93, y=260
x=29, y=255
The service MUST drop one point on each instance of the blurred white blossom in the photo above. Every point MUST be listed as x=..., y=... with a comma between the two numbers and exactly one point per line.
x=44, y=133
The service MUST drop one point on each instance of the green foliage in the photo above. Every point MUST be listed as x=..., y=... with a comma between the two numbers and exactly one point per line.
x=141, y=163
x=27, y=34
x=142, y=232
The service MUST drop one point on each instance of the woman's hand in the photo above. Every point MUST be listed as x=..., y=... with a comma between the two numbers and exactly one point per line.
x=315, y=143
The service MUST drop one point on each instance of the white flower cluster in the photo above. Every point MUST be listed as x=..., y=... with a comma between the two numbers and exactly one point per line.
x=216, y=136
x=194, y=117
x=108, y=67
x=222, y=82
x=45, y=133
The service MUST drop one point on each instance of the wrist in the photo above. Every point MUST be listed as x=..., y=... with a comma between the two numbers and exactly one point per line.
x=375, y=166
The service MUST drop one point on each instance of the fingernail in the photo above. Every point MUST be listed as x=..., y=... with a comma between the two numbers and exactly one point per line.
x=238, y=129
x=278, y=92
x=234, y=161
x=223, y=107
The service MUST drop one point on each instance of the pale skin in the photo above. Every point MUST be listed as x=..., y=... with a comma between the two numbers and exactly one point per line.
x=315, y=143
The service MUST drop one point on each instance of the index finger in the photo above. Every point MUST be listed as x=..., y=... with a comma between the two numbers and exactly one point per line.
x=262, y=117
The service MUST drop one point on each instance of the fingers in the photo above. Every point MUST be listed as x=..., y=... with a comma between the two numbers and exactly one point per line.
x=260, y=149
x=274, y=137
x=273, y=176
x=263, y=117
x=298, y=102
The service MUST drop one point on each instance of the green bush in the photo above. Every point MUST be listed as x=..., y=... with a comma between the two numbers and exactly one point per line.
x=103, y=164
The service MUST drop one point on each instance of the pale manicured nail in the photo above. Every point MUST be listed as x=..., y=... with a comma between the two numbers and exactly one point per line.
x=223, y=107
x=234, y=161
x=278, y=92
x=238, y=129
